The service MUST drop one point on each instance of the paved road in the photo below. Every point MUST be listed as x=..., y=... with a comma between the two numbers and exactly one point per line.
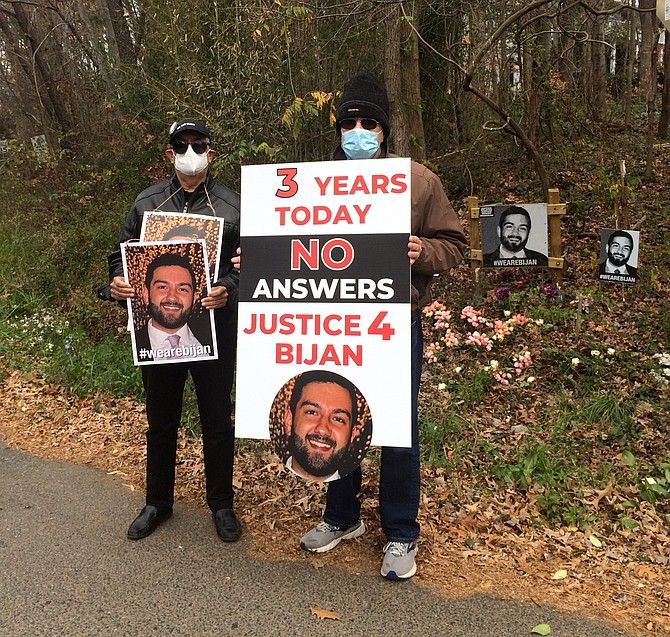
x=66, y=568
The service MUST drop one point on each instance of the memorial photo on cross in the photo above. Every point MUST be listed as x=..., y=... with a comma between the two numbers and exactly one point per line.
x=514, y=235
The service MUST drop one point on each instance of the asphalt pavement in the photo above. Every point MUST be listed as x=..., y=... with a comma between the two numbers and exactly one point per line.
x=66, y=568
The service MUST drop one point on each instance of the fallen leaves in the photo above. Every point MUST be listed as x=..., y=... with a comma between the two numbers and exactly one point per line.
x=600, y=494
x=321, y=613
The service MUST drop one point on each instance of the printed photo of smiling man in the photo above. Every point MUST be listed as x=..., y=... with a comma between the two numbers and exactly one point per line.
x=514, y=235
x=169, y=323
x=618, y=255
x=322, y=429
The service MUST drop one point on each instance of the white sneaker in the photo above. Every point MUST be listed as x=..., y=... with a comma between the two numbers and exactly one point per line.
x=399, y=560
x=324, y=536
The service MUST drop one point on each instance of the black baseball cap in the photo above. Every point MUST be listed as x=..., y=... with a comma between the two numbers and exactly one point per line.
x=188, y=126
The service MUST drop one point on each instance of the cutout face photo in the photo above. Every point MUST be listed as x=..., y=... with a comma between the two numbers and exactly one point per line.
x=168, y=321
x=619, y=253
x=514, y=236
x=619, y=250
x=320, y=425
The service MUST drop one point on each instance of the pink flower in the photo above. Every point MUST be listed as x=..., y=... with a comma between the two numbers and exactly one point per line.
x=430, y=352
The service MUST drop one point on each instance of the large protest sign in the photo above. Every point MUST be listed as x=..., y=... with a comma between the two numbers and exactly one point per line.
x=325, y=285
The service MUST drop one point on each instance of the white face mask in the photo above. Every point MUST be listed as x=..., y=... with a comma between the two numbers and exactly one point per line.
x=190, y=163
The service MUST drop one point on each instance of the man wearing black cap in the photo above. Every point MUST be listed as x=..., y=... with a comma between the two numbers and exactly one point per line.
x=437, y=244
x=192, y=190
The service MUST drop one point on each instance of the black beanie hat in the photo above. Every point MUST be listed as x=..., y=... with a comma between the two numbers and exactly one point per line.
x=364, y=96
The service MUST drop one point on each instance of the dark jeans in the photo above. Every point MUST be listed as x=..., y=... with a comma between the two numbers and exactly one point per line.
x=399, y=479
x=164, y=386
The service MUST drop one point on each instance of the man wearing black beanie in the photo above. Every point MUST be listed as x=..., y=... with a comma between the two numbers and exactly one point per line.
x=437, y=244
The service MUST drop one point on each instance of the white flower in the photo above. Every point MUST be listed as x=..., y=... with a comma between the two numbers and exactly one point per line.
x=666, y=371
x=595, y=352
x=575, y=362
x=441, y=386
x=458, y=370
x=531, y=379
x=507, y=313
x=611, y=351
x=494, y=364
x=658, y=378
x=663, y=359
x=539, y=321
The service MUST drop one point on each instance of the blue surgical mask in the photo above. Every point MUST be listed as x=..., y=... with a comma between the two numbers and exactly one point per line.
x=359, y=143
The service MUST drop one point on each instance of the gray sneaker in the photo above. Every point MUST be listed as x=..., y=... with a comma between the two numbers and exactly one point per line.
x=324, y=536
x=399, y=560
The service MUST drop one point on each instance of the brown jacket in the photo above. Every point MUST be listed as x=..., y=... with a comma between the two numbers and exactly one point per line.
x=436, y=224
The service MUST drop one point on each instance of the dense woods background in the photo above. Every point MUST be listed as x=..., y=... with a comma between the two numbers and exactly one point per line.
x=264, y=73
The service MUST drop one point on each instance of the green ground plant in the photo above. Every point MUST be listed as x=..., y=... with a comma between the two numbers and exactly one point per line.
x=555, y=424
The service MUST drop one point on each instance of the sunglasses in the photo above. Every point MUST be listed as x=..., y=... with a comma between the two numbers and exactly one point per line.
x=199, y=146
x=367, y=124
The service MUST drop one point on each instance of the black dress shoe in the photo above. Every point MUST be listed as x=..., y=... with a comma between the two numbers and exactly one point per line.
x=147, y=521
x=227, y=525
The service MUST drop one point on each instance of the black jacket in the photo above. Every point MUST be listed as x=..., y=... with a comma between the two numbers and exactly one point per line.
x=168, y=196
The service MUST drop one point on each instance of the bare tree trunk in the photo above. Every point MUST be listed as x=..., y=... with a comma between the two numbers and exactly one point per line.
x=647, y=62
x=630, y=68
x=651, y=130
x=594, y=80
x=535, y=81
x=587, y=64
x=564, y=51
x=544, y=81
x=648, y=76
x=402, y=81
x=664, y=120
x=651, y=137
x=121, y=31
x=532, y=97
x=599, y=77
